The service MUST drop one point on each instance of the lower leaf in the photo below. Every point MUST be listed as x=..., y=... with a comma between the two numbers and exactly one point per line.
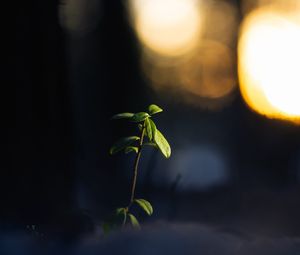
x=134, y=221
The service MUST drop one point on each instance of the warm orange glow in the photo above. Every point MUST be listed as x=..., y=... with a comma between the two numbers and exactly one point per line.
x=187, y=48
x=205, y=75
x=269, y=63
x=167, y=27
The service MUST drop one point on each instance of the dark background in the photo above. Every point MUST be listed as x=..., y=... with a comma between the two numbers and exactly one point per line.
x=59, y=91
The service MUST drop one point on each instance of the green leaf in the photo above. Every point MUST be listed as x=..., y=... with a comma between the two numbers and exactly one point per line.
x=124, y=115
x=153, y=109
x=134, y=221
x=123, y=143
x=131, y=148
x=151, y=144
x=122, y=212
x=153, y=128
x=117, y=219
x=148, y=129
x=145, y=205
x=140, y=126
x=140, y=116
x=162, y=144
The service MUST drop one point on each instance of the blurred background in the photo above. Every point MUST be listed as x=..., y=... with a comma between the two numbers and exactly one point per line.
x=226, y=73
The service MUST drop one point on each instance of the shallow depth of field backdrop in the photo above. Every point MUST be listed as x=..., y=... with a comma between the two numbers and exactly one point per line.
x=226, y=73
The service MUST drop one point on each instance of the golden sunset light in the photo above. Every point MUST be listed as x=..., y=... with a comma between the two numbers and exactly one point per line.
x=269, y=60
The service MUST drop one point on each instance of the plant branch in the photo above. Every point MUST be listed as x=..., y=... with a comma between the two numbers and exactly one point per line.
x=136, y=164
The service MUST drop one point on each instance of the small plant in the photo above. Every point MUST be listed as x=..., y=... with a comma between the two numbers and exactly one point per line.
x=149, y=135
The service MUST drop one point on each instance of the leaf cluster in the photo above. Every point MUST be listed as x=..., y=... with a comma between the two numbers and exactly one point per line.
x=123, y=216
x=145, y=124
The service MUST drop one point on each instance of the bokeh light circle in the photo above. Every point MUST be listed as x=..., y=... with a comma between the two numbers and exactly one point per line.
x=167, y=27
x=269, y=60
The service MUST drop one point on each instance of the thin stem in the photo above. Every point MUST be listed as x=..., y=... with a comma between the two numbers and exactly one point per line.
x=124, y=219
x=136, y=164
